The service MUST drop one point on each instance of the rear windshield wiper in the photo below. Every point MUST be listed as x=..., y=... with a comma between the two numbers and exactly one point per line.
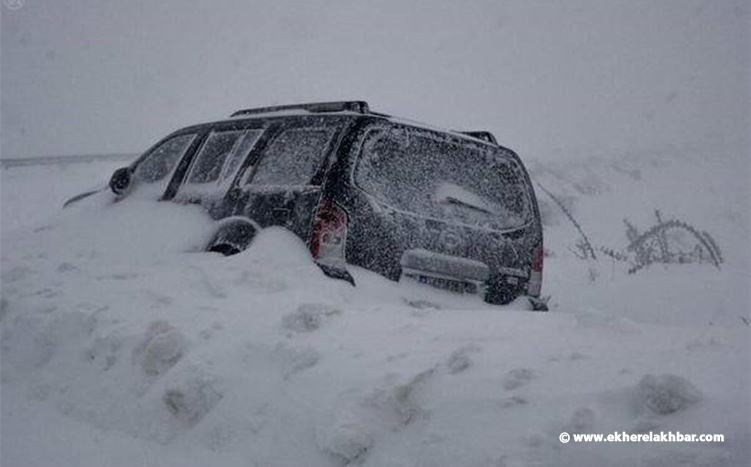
x=458, y=202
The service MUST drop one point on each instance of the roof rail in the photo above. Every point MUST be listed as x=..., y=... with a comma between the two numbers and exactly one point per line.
x=483, y=135
x=314, y=107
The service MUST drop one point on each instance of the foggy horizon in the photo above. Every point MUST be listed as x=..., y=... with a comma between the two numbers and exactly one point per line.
x=81, y=77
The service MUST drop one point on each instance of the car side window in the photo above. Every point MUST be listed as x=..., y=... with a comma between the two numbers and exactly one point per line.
x=207, y=165
x=232, y=164
x=221, y=155
x=162, y=160
x=294, y=157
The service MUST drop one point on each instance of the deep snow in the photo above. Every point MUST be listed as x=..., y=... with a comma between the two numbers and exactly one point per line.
x=124, y=344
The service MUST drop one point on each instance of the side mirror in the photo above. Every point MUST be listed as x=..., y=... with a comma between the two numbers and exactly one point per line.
x=121, y=180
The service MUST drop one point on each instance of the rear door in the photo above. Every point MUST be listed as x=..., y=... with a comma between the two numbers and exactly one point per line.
x=283, y=186
x=441, y=193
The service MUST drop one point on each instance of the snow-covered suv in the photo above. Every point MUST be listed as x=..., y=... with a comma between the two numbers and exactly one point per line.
x=447, y=208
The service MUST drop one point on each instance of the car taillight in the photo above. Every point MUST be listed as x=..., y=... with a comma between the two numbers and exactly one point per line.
x=534, y=286
x=329, y=232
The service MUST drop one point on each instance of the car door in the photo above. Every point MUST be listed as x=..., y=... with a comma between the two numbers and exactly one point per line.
x=153, y=171
x=436, y=192
x=216, y=163
x=282, y=188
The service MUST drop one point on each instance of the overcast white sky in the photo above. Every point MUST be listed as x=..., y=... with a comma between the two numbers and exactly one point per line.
x=91, y=76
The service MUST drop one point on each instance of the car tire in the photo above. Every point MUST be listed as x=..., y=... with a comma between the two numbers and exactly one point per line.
x=224, y=248
x=234, y=236
x=501, y=293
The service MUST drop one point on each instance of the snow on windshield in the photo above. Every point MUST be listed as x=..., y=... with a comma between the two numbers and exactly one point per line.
x=442, y=177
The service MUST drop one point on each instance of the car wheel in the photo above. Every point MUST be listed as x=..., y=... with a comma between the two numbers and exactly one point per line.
x=234, y=236
x=501, y=293
x=224, y=248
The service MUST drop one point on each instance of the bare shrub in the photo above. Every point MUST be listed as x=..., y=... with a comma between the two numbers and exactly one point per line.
x=670, y=242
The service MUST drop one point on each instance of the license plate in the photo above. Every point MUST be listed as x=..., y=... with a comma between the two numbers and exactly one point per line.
x=452, y=285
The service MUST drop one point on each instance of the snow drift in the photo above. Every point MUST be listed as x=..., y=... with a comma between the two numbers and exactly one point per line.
x=123, y=343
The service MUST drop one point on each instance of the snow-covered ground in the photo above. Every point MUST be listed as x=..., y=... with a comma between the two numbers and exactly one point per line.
x=123, y=344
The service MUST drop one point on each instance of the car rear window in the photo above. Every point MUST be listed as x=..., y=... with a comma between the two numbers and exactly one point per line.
x=294, y=157
x=438, y=176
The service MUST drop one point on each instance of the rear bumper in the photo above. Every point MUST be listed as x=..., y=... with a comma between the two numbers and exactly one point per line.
x=443, y=271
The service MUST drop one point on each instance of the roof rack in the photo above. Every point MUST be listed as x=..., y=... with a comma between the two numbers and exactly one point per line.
x=345, y=106
x=483, y=135
x=314, y=107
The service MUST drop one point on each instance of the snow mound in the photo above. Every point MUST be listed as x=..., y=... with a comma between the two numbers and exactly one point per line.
x=192, y=399
x=308, y=317
x=347, y=437
x=666, y=394
x=161, y=348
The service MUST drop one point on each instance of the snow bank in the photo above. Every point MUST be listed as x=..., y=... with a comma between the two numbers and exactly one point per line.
x=123, y=343
x=31, y=194
x=704, y=187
